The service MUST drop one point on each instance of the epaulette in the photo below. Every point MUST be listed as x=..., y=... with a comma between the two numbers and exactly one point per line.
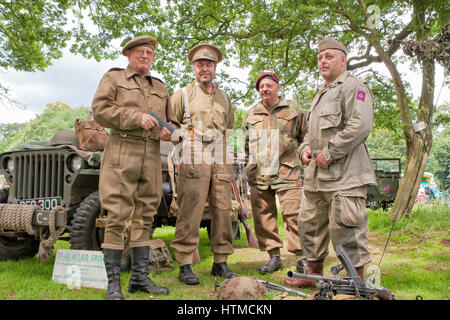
x=157, y=79
x=112, y=69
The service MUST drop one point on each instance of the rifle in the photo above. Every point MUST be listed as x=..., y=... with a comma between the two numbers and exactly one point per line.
x=277, y=287
x=242, y=214
x=162, y=122
x=351, y=285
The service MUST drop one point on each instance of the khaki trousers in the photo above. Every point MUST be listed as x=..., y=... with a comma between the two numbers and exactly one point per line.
x=264, y=211
x=336, y=215
x=130, y=189
x=195, y=183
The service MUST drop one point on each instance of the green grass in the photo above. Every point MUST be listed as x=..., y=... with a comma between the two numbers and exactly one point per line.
x=417, y=262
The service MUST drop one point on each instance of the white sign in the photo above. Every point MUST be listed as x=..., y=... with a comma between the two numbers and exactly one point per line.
x=80, y=268
x=419, y=126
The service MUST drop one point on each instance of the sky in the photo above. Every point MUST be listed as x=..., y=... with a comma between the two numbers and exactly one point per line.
x=74, y=80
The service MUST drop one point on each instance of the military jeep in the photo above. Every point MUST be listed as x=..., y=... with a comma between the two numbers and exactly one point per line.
x=48, y=175
x=388, y=174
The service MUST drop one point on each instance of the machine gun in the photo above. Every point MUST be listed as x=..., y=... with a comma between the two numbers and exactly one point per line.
x=280, y=288
x=351, y=285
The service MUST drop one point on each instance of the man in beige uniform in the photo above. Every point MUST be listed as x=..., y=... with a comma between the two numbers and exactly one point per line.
x=339, y=167
x=130, y=177
x=274, y=120
x=205, y=111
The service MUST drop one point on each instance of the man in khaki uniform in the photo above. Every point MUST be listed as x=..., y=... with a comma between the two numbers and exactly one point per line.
x=205, y=112
x=274, y=128
x=130, y=175
x=339, y=167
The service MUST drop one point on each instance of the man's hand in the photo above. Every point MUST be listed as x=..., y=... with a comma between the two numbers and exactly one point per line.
x=321, y=162
x=165, y=134
x=306, y=157
x=148, y=122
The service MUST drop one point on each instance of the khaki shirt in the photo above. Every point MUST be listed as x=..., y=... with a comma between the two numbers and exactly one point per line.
x=272, y=138
x=123, y=96
x=340, y=120
x=208, y=111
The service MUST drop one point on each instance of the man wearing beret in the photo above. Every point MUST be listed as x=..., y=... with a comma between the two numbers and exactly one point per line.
x=205, y=112
x=274, y=128
x=130, y=176
x=339, y=168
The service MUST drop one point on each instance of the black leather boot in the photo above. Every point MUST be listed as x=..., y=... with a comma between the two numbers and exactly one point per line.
x=139, y=280
x=187, y=275
x=112, y=260
x=221, y=269
x=273, y=265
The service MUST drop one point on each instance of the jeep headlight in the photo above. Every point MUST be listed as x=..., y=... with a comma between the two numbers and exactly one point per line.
x=76, y=163
x=10, y=165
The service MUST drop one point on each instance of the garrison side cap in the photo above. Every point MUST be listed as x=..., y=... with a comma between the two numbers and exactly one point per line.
x=205, y=51
x=326, y=43
x=147, y=41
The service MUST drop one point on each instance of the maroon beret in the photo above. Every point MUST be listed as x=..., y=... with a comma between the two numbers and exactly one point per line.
x=271, y=75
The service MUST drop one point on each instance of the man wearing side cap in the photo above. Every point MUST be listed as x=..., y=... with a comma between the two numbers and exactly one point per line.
x=130, y=175
x=274, y=128
x=339, y=168
x=205, y=111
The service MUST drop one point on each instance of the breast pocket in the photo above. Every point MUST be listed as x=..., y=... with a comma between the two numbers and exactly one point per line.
x=129, y=95
x=158, y=103
x=330, y=116
x=286, y=122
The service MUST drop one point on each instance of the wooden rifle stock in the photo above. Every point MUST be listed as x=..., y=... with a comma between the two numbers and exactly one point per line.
x=252, y=242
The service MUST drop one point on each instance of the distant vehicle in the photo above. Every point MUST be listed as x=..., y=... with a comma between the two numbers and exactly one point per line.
x=388, y=174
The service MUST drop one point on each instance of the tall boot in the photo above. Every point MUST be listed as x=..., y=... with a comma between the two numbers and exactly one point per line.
x=314, y=268
x=112, y=260
x=139, y=280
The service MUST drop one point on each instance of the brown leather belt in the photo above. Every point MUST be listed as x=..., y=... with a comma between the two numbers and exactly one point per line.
x=141, y=133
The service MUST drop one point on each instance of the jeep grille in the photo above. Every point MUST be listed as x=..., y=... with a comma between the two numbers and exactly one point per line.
x=38, y=175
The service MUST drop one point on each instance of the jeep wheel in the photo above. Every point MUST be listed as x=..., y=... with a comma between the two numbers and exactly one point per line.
x=15, y=249
x=84, y=235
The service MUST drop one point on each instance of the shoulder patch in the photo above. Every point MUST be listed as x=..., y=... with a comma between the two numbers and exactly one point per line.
x=360, y=95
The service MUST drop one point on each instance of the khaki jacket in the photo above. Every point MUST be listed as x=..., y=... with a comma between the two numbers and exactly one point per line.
x=340, y=120
x=272, y=138
x=208, y=112
x=123, y=96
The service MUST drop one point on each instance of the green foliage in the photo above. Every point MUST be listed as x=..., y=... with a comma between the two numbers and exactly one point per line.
x=56, y=116
x=439, y=160
x=32, y=33
x=433, y=219
x=383, y=143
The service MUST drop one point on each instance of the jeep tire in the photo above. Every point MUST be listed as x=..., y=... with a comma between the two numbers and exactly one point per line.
x=84, y=235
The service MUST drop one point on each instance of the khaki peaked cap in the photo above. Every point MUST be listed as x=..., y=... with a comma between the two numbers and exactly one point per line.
x=205, y=51
x=147, y=41
x=326, y=43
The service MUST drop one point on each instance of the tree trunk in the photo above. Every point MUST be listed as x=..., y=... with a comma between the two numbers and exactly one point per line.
x=418, y=144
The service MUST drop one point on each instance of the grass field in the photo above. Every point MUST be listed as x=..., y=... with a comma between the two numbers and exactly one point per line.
x=416, y=263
